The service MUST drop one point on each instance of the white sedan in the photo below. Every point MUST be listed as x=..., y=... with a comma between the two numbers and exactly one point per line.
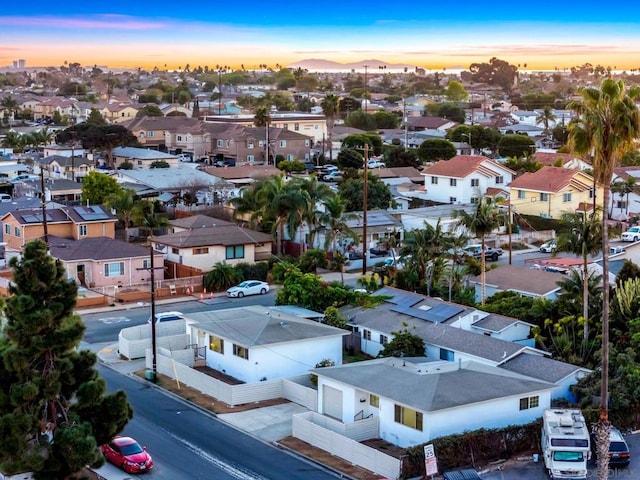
x=248, y=287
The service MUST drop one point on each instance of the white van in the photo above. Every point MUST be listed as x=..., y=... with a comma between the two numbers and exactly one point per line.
x=5, y=198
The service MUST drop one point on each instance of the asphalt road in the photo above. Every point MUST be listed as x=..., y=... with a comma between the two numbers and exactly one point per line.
x=104, y=326
x=186, y=442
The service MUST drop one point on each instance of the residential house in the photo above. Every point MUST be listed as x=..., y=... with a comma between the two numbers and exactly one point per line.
x=175, y=134
x=95, y=262
x=524, y=281
x=61, y=166
x=522, y=129
x=256, y=343
x=151, y=183
x=425, y=124
x=202, y=248
x=141, y=158
x=307, y=124
x=621, y=206
x=552, y=191
x=451, y=332
x=464, y=179
x=119, y=112
x=194, y=222
x=413, y=400
x=566, y=160
x=243, y=175
x=22, y=226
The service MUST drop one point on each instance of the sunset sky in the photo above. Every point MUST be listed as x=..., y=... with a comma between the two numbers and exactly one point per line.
x=544, y=34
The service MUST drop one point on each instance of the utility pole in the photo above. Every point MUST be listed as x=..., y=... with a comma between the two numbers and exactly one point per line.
x=266, y=145
x=154, y=349
x=45, y=228
x=406, y=124
x=509, y=229
x=365, y=198
x=366, y=90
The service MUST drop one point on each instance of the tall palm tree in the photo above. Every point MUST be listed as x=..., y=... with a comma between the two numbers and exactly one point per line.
x=317, y=192
x=607, y=127
x=334, y=222
x=623, y=188
x=124, y=203
x=484, y=219
x=262, y=119
x=422, y=247
x=545, y=117
x=329, y=106
x=583, y=237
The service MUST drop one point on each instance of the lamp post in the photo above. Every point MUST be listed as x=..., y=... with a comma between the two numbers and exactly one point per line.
x=365, y=198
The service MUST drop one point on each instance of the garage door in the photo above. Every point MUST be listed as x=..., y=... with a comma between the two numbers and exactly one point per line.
x=332, y=402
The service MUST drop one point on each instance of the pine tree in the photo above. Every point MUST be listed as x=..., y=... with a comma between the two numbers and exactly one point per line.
x=53, y=409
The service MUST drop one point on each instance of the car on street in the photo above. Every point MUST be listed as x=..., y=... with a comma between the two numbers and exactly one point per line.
x=334, y=176
x=379, y=251
x=329, y=168
x=549, y=247
x=127, y=454
x=375, y=164
x=619, y=453
x=489, y=252
x=167, y=317
x=631, y=235
x=248, y=287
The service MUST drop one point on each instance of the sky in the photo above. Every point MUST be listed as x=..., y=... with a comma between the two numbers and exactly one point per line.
x=542, y=35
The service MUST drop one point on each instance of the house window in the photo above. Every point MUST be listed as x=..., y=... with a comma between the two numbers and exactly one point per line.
x=234, y=251
x=7, y=229
x=261, y=143
x=241, y=352
x=474, y=200
x=151, y=134
x=200, y=251
x=291, y=157
x=374, y=400
x=307, y=143
x=499, y=179
x=16, y=231
x=285, y=126
x=179, y=138
x=434, y=180
x=216, y=344
x=529, y=402
x=521, y=195
x=250, y=158
x=592, y=193
x=249, y=144
x=566, y=197
x=146, y=264
x=621, y=204
x=139, y=162
x=544, y=197
x=453, y=199
x=447, y=355
x=296, y=127
x=384, y=339
x=114, y=269
x=366, y=334
x=175, y=251
x=82, y=230
x=453, y=182
x=141, y=135
x=475, y=182
x=408, y=417
x=283, y=143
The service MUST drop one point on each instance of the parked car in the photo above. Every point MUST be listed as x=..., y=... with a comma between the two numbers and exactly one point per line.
x=310, y=167
x=334, y=176
x=619, y=453
x=329, y=168
x=127, y=454
x=379, y=251
x=489, y=253
x=248, y=287
x=631, y=235
x=167, y=317
x=375, y=164
x=549, y=247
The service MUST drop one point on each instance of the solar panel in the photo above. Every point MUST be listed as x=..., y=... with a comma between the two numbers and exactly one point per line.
x=400, y=297
x=437, y=314
x=36, y=218
x=91, y=213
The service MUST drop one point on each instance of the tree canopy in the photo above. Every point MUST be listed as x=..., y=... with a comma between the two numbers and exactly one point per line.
x=378, y=193
x=496, y=72
x=54, y=410
x=516, y=146
x=436, y=149
x=97, y=187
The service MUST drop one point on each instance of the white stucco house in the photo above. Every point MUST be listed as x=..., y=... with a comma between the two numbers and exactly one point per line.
x=415, y=400
x=464, y=179
x=257, y=343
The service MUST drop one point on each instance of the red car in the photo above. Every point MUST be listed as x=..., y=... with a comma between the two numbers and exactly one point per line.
x=127, y=454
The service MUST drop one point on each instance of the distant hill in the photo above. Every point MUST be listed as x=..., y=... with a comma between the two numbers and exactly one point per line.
x=314, y=64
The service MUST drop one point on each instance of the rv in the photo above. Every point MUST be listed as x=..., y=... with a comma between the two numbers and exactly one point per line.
x=565, y=444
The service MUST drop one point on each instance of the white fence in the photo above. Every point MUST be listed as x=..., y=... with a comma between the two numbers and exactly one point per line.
x=134, y=341
x=312, y=428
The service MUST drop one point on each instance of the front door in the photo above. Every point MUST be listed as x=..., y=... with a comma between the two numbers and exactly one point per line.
x=80, y=274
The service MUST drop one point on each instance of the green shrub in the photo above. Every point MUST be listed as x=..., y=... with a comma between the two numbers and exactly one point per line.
x=252, y=271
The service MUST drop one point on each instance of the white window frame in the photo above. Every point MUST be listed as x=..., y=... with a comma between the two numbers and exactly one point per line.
x=114, y=269
x=82, y=230
x=566, y=197
x=453, y=182
x=475, y=182
x=522, y=194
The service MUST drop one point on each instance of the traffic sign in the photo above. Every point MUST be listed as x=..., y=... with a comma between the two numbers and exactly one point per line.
x=430, y=460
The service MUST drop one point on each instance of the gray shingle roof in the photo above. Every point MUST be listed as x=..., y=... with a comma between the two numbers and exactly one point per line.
x=542, y=368
x=175, y=178
x=497, y=323
x=199, y=221
x=94, y=248
x=256, y=325
x=521, y=279
x=432, y=386
x=218, y=235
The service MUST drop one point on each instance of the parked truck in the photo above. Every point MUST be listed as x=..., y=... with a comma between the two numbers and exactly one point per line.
x=489, y=253
x=565, y=444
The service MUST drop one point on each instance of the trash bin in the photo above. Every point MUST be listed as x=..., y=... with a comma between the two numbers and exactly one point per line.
x=535, y=458
x=516, y=228
x=148, y=375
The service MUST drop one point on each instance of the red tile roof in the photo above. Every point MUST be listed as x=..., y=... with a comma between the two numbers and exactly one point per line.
x=461, y=166
x=551, y=180
x=550, y=158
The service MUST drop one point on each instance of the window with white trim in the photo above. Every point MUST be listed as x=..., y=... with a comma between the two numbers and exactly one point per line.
x=240, y=351
x=82, y=230
x=499, y=179
x=250, y=158
x=544, y=197
x=250, y=145
x=529, y=402
x=453, y=182
x=220, y=143
x=408, y=417
x=178, y=138
x=475, y=182
x=283, y=143
x=115, y=269
x=17, y=231
x=522, y=195
x=434, y=180
x=566, y=197
x=474, y=200
x=453, y=199
x=234, y=251
x=7, y=229
x=296, y=127
x=216, y=344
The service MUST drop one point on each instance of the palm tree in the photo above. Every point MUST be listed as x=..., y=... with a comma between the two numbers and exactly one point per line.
x=329, y=106
x=454, y=245
x=623, y=188
x=11, y=105
x=583, y=237
x=124, y=203
x=317, y=192
x=545, y=117
x=484, y=220
x=607, y=127
x=334, y=222
x=148, y=215
x=262, y=119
